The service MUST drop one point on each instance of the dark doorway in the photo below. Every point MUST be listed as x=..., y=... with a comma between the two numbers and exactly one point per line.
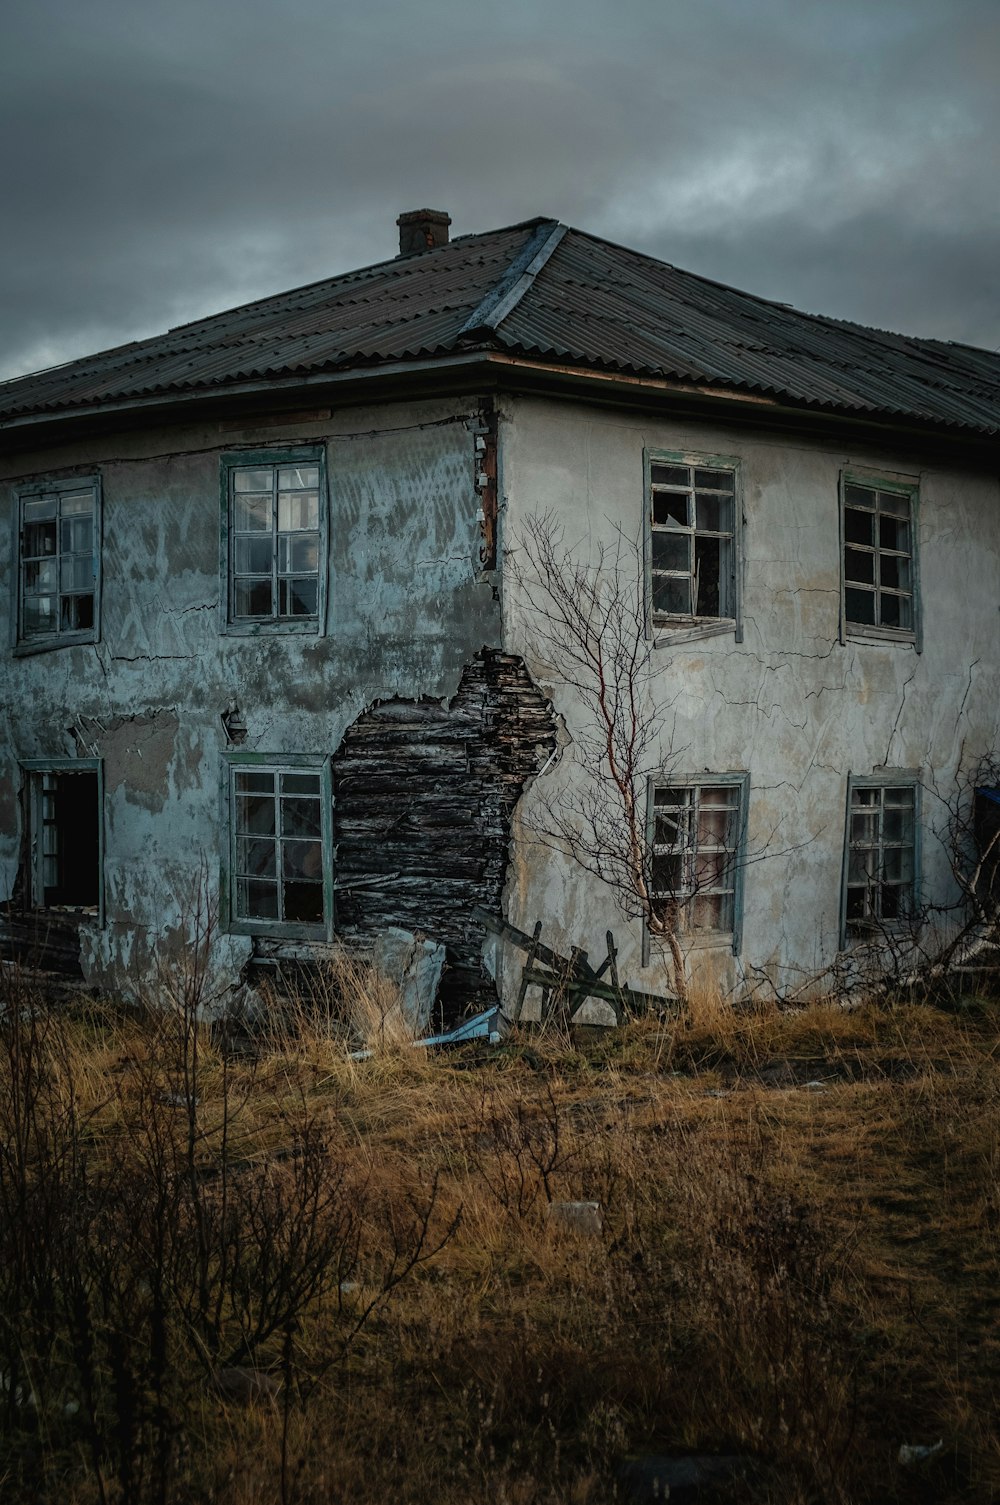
x=67, y=836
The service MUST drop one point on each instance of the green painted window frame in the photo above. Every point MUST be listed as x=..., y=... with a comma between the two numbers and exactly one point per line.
x=862, y=631
x=279, y=763
x=32, y=769
x=739, y=780
x=309, y=626
x=852, y=934
x=34, y=490
x=680, y=629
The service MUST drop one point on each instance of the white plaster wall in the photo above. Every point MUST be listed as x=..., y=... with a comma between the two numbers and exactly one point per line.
x=791, y=704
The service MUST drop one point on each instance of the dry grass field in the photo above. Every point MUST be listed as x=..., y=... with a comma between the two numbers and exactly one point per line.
x=277, y=1274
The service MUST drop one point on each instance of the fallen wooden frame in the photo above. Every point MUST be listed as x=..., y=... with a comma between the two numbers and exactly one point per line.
x=567, y=982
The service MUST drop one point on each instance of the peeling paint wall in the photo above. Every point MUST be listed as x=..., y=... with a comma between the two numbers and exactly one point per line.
x=791, y=704
x=433, y=730
x=409, y=607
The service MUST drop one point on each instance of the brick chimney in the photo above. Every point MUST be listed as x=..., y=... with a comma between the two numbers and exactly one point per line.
x=419, y=229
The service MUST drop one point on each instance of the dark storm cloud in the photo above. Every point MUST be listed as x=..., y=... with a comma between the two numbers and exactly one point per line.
x=164, y=161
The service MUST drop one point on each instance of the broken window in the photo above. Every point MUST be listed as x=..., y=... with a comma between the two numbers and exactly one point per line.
x=275, y=525
x=881, y=877
x=280, y=819
x=986, y=833
x=64, y=835
x=697, y=842
x=58, y=563
x=879, y=558
x=692, y=514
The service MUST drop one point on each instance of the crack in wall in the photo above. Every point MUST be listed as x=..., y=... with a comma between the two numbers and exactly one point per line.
x=150, y=658
x=899, y=713
x=183, y=611
x=968, y=689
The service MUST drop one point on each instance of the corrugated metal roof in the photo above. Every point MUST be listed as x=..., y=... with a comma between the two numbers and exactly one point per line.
x=402, y=309
x=601, y=304
x=586, y=302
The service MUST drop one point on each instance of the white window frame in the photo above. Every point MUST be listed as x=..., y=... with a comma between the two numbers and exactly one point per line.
x=25, y=642
x=732, y=935
x=894, y=487
x=854, y=930
x=277, y=764
x=313, y=623
x=679, y=628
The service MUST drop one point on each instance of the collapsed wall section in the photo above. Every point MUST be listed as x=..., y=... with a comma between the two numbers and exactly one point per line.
x=424, y=793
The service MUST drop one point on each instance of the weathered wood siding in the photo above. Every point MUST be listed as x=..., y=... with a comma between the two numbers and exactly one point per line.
x=423, y=797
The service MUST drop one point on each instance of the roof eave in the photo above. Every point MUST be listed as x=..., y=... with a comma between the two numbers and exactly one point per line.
x=462, y=370
x=261, y=393
x=638, y=387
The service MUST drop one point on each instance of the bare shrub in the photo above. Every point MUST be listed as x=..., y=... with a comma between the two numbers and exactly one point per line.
x=244, y=1279
x=518, y=1147
x=591, y=615
x=150, y=1241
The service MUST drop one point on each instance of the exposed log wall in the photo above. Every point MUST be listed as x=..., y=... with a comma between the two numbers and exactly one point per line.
x=423, y=799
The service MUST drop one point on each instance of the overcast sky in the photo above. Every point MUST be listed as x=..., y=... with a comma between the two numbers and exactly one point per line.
x=164, y=159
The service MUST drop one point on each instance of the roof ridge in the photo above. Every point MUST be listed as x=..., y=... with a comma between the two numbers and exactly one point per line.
x=507, y=293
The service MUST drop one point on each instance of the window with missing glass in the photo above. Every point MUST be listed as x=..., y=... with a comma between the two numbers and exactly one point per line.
x=879, y=556
x=881, y=866
x=280, y=850
x=58, y=563
x=275, y=524
x=65, y=829
x=692, y=525
x=697, y=853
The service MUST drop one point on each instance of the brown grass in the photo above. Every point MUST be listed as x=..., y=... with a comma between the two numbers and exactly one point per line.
x=799, y=1258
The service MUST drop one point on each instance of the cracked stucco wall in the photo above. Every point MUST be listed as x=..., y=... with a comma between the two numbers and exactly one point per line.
x=408, y=608
x=791, y=704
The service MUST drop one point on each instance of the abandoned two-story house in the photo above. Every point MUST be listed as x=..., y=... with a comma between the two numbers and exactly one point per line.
x=267, y=662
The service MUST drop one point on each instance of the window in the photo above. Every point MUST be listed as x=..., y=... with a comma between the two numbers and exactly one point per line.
x=697, y=853
x=692, y=518
x=65, y=834
x=275, y=518
x=881, y=853
x=879, y=558
x=281, y=840
x=986, y=833
x=58, y=563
